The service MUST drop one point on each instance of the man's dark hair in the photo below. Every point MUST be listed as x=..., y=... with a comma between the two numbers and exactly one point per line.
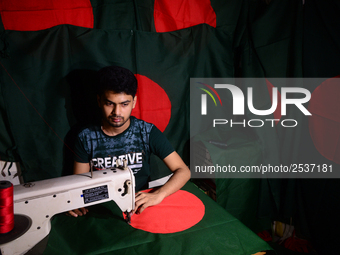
x=117, y=79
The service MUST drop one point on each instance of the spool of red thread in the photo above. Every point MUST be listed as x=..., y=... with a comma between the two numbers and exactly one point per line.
x=6, y=207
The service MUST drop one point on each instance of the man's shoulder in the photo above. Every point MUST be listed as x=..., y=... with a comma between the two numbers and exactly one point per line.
x=88, y=130
x=141, y=124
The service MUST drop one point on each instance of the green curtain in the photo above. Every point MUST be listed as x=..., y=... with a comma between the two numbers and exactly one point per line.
x=318, y=200
x=269, y=45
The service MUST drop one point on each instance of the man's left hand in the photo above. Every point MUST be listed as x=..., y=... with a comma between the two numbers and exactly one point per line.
x=144, y=200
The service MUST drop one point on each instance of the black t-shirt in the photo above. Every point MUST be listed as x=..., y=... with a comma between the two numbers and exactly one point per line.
x=135, y=144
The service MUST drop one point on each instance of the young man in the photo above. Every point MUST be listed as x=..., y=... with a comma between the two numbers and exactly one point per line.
x=123, y=136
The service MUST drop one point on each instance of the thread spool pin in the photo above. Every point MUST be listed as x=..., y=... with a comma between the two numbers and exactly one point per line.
x=125, y=164
x=118, y=162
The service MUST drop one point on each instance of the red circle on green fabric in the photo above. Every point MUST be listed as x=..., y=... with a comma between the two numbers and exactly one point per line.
x=324, y=124
x=175, y=213
x=171, y=15
x=36, y=15
x=153, y=104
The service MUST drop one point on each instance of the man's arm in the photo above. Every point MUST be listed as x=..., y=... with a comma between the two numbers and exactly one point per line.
x=181, y=174
x=79, y=168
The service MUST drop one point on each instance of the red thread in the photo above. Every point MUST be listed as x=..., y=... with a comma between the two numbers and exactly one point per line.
x=6, y=207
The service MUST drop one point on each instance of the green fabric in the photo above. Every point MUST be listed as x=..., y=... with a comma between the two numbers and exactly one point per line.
x=7, y=143
x=271, y=46
x=318, y=201
x=103, y=231
x=238, y=196
x=114, y=14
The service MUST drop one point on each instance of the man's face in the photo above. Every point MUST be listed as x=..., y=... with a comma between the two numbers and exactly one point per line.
x=116, y=108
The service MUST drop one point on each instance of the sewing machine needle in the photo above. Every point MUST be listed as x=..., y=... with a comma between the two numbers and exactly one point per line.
x=128, y=217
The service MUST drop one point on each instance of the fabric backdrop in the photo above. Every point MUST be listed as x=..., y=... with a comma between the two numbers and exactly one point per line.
x=50, y=51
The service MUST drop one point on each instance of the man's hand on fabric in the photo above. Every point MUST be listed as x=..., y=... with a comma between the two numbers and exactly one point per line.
x=144, y=200
x=78, y=212
x=181, y=174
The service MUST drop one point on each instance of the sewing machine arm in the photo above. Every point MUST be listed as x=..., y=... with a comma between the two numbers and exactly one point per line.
x=35, y=203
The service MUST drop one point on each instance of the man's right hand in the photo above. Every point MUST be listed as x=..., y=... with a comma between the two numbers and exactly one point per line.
x=78, y=212
x=79, y=168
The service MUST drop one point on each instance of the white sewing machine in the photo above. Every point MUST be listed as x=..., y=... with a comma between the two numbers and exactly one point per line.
x=35, y=203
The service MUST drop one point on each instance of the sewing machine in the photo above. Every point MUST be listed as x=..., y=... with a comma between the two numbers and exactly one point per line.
x=35, y=203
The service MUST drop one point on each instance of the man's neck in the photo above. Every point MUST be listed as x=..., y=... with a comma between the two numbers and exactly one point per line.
x=113, y=131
